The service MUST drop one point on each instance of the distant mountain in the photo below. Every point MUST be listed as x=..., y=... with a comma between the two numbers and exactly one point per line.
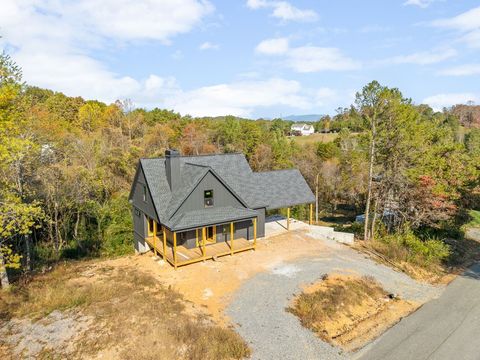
x=307, y=117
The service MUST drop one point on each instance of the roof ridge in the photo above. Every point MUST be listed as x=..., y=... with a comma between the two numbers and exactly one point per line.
x=200, y=165
x=276, y=170
x=194, y=156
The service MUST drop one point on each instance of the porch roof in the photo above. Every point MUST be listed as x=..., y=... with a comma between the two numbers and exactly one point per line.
x=209, y=216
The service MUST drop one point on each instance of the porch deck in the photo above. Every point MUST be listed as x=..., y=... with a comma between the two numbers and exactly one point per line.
x=188, y=256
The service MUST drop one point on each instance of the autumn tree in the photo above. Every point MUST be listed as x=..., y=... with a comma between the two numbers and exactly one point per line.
x=17, y=214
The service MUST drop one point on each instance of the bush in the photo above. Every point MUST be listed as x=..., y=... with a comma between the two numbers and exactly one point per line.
x=117, y=227
x=405, y=245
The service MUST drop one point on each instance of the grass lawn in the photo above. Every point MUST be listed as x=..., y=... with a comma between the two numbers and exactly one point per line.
x=314, y=138
x=475, y=219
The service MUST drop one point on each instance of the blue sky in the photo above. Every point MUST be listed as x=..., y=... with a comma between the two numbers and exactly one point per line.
x=249, y=58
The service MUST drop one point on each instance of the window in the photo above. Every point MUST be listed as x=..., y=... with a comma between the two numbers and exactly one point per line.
x=208, y=198
x=144, y=193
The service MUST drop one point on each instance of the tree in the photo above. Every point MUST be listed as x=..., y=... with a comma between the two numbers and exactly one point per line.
x=370, y=104
x=17, y=217
x=91, y=115
x=262, y=158
x=228, y=132
x=472, y=143
x=194, y=140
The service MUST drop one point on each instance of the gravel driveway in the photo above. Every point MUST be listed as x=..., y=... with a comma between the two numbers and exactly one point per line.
x=258, y=308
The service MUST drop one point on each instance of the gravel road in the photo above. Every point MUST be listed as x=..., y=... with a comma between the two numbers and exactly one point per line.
x=258, y=308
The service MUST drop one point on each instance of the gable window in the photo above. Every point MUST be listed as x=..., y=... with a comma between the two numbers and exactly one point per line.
x=144, y=193
x=208, y=198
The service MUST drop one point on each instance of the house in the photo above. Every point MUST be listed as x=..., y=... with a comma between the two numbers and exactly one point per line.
x=192, y=208
x=302, y=129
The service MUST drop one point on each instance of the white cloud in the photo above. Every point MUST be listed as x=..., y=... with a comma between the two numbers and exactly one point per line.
x=472, y=39
x=467, y=23
x=306, y=59
x=127, y=20
x=469, y=20
x=424, y=57
x=283, y=10
x=239, y=98
x=324, y=96
x=420, y=3
x=439, y=101
x=257, y=4
x=208, y=46
x=52, y=42
x=273, y=46
x=462, y=70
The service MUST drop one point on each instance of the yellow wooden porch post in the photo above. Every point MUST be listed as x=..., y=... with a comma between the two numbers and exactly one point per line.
x=288, y=218
x=310, y=221
x=196, y=237
x=164, y=243
x=231, y=238
x=255, y=233
x=203, y=241
x=155, y=238
x=175, y=250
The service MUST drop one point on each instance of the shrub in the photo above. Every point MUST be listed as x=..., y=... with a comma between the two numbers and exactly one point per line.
x=117, y=227
x=405, y=245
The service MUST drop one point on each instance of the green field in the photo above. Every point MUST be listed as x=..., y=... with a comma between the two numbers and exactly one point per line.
x=314, y=138
x=475, y=218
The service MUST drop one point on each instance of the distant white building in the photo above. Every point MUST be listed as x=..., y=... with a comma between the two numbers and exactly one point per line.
x=302, y=129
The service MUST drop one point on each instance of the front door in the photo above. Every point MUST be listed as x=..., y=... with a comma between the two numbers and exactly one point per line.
x=211, y=234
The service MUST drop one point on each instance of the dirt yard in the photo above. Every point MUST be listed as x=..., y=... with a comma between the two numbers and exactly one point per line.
x=210, y=284
x=75, y=310
x=80, y=310
x=108, y=310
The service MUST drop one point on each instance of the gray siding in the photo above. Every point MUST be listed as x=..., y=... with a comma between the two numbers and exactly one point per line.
x=221, y=195
x=137, y=197
x=139, y=223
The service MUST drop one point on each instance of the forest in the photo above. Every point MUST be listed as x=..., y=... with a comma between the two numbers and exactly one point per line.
x=66, y=166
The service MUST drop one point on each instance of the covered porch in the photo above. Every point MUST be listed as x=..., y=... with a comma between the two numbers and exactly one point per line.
x=165, y=243
x=180, y=255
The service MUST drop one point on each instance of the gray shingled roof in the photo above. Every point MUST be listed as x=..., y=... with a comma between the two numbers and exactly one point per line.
x=283, y=188
x=209, y=216
x=272, y=189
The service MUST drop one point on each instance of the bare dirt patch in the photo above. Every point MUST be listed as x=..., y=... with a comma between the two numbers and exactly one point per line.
x=108, y=312
x=211, y=284
x=140, y=299
x=28, y=338
x=348, y=311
